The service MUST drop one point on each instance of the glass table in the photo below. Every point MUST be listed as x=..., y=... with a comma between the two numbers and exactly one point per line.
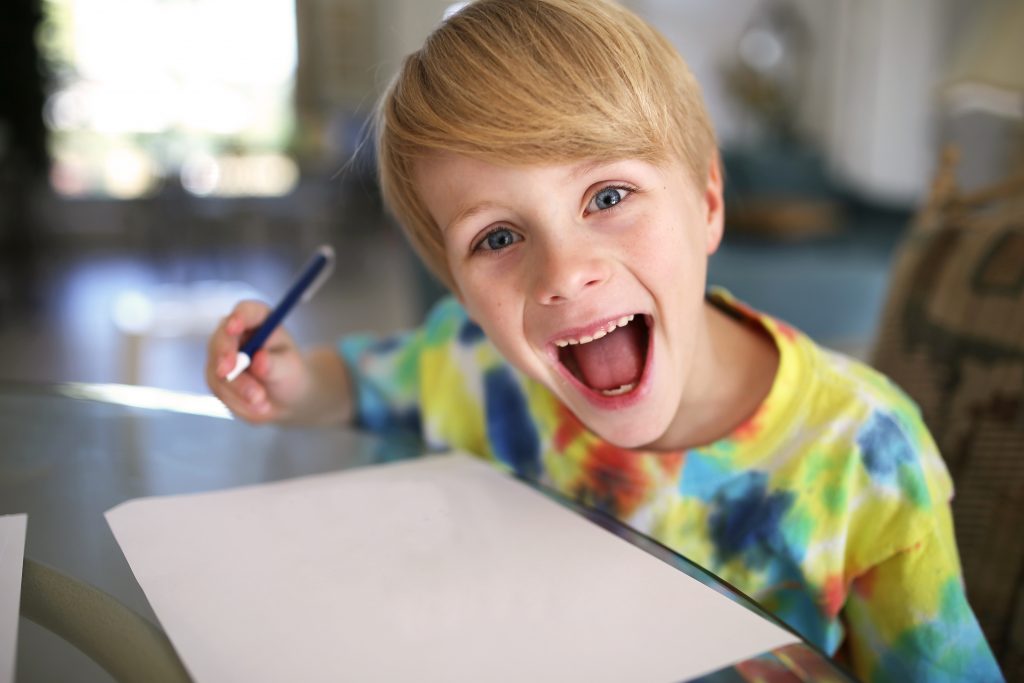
x=69, y=452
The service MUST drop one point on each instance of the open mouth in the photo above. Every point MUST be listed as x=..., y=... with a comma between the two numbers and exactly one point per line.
x=610, y=362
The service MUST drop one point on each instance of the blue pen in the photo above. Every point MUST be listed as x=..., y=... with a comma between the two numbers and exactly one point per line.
x=304, y=287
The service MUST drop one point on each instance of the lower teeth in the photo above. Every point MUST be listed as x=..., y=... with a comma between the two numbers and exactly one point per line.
x=625, y=388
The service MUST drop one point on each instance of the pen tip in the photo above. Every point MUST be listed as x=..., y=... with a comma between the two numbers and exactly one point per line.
x=242, y=361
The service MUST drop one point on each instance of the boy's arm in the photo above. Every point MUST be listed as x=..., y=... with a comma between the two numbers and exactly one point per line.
x=908, y=618
x=329, y=400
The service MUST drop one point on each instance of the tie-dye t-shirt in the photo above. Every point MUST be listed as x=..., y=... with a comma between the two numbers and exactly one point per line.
x=829, y=506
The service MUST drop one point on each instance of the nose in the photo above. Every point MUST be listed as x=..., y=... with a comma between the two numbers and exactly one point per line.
x=565, y=269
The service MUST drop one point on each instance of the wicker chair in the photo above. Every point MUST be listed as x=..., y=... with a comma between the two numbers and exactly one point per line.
x=952, y=336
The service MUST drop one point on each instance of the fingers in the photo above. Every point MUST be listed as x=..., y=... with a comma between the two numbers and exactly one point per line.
x=274, y=381
x=245, y=396
x=261, y=365
x=248, y=398
x=227, y=338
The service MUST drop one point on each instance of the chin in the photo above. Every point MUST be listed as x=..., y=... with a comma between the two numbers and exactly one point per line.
x=630, y=434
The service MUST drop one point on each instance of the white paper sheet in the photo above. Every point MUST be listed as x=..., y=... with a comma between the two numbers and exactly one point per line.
x=440, y=569
x=12, y=556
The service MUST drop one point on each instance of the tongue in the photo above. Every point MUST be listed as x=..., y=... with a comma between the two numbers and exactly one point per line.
x=615, y=360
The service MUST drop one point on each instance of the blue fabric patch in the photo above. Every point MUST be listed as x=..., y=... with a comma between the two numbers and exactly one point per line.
x=510, y=427
x=793, y=600
x=884, y=447
x=376, y=416
x=703, y=475
x=745, y=519
x=470, y=333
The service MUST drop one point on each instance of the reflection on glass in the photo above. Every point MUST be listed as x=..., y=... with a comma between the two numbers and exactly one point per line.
x=147, y=397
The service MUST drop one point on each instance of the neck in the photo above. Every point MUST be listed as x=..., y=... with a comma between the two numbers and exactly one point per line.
x=734, y=366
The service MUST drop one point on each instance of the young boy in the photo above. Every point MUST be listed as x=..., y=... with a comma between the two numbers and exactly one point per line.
x=552, y=162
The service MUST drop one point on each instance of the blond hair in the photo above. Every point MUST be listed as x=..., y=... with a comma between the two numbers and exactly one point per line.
x=536, y=81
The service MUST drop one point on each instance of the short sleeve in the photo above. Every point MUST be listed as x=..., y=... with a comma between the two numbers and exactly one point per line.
x=908, y=617
x=385, y=379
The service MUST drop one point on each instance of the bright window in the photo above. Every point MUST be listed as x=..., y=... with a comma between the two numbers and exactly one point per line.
x=191, y=91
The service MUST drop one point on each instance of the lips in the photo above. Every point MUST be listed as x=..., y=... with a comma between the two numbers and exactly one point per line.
x=609, y=359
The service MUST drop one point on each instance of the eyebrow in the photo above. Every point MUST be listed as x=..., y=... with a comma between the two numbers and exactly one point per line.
x=469, y=212
x=587, y=167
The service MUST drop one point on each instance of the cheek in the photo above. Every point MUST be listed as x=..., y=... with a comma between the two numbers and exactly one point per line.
x=492, y=284
x=664, y=253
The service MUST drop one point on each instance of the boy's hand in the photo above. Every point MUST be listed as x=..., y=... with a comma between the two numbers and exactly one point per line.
x=277, y=385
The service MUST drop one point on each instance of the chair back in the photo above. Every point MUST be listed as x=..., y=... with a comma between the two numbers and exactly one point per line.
x=952, y=336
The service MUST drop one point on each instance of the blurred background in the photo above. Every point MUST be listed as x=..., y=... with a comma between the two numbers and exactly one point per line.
x=161, y=159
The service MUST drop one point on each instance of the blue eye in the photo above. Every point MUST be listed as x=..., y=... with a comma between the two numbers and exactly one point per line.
x=607, y=198
x=498, y=239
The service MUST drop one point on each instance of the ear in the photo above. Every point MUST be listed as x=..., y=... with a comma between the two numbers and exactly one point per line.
x=714, y=205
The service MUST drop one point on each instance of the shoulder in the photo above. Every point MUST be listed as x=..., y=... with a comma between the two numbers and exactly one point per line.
x=890, y=433
x=445, y=347
x=446, y=328
x=883, y=425
x=450, y=338
x=815, y=383
x=848, y=445
x=847, y=383
x=895, y=485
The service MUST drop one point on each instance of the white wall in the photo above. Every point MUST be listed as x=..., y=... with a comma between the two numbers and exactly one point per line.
x=881, y=130
x=870, y=103
x=401, y=27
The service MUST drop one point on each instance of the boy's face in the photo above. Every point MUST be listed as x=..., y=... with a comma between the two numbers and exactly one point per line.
x=587, y=277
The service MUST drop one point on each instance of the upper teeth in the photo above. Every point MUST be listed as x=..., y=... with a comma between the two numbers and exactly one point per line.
x=586, y=339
